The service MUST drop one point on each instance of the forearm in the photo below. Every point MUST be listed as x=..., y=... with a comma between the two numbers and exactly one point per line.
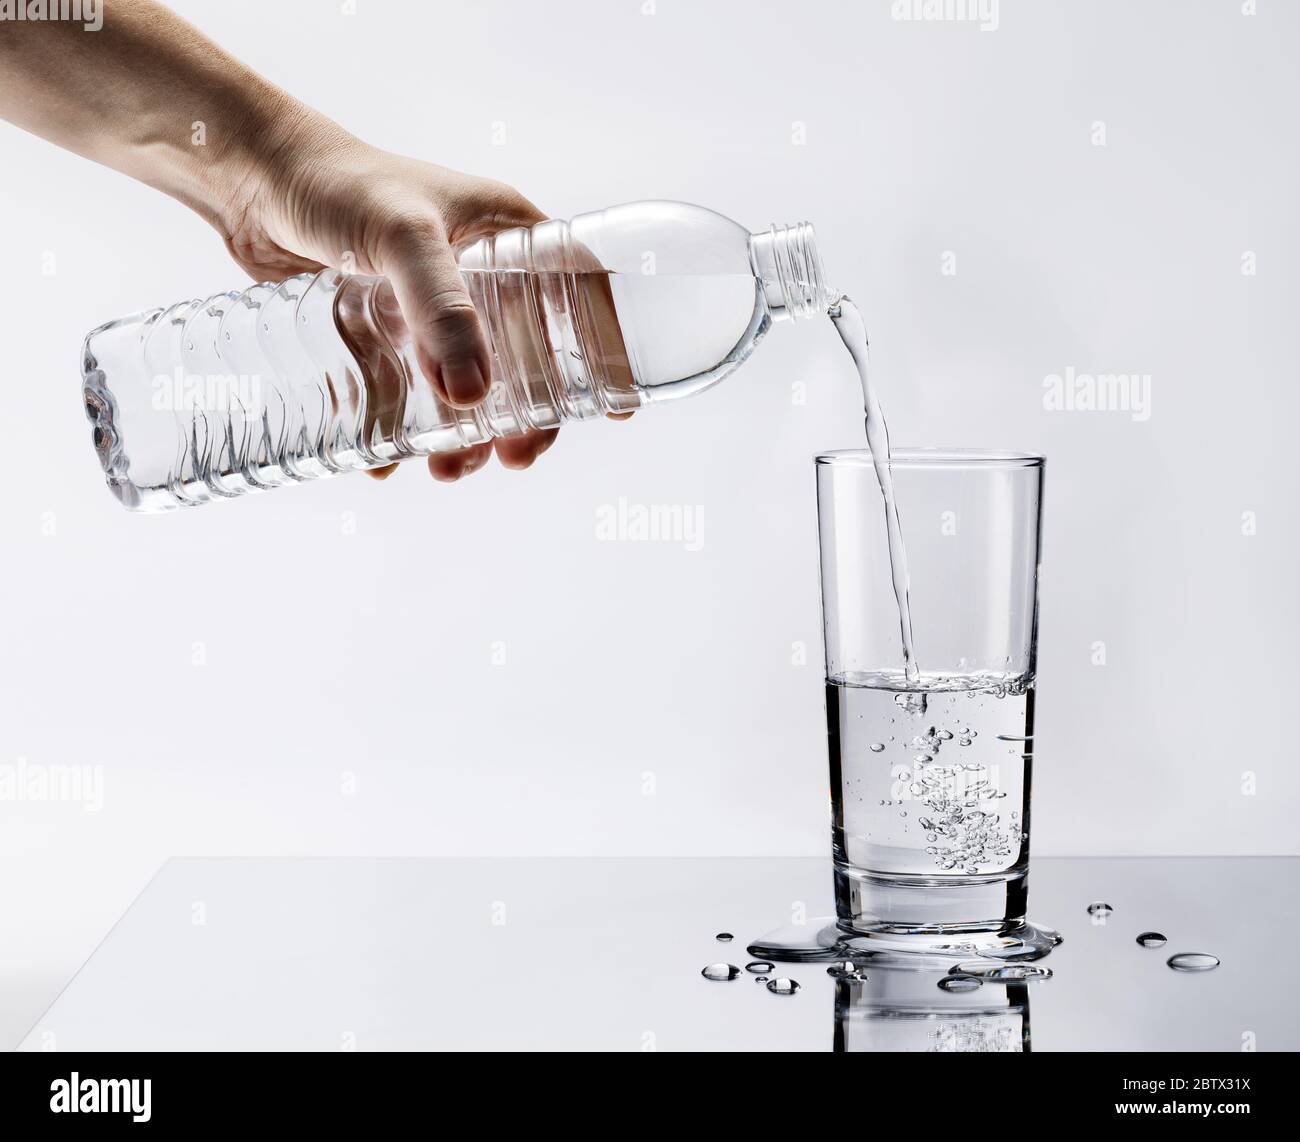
x=150, y=96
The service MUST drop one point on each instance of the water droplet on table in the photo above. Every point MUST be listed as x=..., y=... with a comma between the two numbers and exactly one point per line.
x=877, y=747
x=759, y=967
x=1151, y=940
x=1100, y=908
x=720, y=973
x=1193, y=961
x=724, y=937
x=844, y=969
x=782, y=986
x=960, y=983
x=994, y=972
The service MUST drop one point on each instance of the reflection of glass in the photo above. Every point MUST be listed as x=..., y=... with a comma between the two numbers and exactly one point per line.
x=930, y=768
x=897, y=1010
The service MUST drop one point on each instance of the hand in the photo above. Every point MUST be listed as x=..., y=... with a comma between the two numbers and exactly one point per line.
x=324, y=198
x=289, y=190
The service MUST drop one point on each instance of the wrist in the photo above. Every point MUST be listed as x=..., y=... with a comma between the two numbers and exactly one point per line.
x=248, y=143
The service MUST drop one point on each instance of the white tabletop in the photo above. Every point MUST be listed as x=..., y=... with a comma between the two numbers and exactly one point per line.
x=331, y=954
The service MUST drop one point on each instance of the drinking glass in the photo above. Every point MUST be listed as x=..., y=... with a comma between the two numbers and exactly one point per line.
x=931, y=752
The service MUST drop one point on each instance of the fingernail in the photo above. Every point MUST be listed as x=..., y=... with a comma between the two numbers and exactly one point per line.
x=464, y=381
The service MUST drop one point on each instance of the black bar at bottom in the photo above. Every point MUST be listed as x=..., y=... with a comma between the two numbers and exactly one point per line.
x=365, y=1090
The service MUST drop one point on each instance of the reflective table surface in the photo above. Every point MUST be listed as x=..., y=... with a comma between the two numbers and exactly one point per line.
x=606, y=954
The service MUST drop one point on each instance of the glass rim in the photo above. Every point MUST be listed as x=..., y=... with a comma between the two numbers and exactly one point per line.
x=935, y=458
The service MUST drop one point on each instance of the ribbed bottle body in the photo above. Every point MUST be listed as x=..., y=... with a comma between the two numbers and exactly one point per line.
x=317, y=375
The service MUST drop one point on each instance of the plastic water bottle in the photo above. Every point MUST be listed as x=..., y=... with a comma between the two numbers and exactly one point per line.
x=317, y=375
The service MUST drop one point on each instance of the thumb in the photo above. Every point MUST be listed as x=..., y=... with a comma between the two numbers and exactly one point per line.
x=431, y=294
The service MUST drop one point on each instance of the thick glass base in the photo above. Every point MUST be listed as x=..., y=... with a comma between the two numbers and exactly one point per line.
x=872, y=903
x=920, y=922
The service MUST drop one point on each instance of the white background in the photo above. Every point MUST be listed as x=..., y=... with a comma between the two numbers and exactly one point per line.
x=649, y=701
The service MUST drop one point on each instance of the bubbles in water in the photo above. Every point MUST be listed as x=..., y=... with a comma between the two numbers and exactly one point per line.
x=963, y=741
x=1151, y=940
x=960, y=983
x=956, y=818
x=724, y=937
x=1100, y=908
x=720, y=973
x=992, y=971
x=913, y=702
x=969, y=1035
x=759, y=967
x=877, y=747
x=782, y=986
x=1193, y=961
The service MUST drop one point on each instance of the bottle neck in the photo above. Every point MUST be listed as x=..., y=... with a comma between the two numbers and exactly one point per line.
x=789, y=269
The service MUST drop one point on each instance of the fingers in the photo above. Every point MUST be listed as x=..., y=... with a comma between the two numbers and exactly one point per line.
x=449, y=343
x=514, y=452
x=487, y=207
x=519, y=452
x=416, y=252
x=265, y=261
x=448, y=467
